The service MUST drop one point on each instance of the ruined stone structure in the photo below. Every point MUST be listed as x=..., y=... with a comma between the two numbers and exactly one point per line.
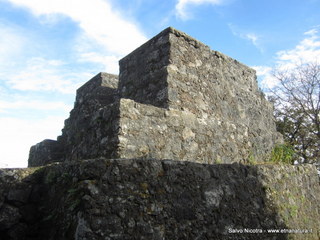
x=175, y=99
x=134, y=160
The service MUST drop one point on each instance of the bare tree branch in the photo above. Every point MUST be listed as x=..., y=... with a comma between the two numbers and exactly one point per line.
x=297, y=108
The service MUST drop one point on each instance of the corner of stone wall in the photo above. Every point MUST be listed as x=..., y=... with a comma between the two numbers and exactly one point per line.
x=45, y=152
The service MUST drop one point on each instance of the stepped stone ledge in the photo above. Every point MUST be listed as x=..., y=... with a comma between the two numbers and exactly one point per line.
x=175, y=98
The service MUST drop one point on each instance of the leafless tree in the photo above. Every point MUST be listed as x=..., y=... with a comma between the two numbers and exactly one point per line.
x=297, y=109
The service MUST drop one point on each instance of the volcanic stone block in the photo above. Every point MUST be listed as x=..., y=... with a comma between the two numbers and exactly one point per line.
x=173, y=70
x=90, y=125
x=99, y=91
x=143, y=73
x=47, y=151
x=91, y=130
x=177, y=72
x=147, y=131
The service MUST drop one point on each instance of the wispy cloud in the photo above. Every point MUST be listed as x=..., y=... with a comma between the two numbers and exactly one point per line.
x=41, y=74
x=264, y=74
x=306, y=51
x=11, y=43
x=106, y=37
x=183, y=7
x=23, y=67
x=252, y=37
x=33, y=105
x=88, y=51
x=247, y=35
x=96, y=18
x=262, y=70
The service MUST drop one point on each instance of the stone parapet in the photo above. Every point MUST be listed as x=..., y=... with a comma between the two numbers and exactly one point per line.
x=45, y=152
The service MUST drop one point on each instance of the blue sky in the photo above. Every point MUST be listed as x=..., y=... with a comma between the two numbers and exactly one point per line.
x=50, y=48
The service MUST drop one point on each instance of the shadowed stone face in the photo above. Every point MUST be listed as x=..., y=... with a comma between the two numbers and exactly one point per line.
x=152, y=199
x=45, y=152
x=143, y=73
x=176, y=98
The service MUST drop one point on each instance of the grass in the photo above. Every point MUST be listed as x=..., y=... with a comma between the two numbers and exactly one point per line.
x=282, y=153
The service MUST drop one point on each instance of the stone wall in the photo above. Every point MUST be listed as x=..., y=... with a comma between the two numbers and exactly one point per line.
x=143, y=73
x=158, y=199
x=175, y=71
x=91, y=129
x=45, y=152
x=93, y=119
x=151, y=132
x=175, y=99
x=216, y=87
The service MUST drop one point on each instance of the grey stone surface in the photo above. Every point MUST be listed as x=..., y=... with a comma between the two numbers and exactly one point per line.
x=91, y=123
x=151, y=132
x=88, y=124
x=45, y=152
x=101, y=90
x=160, y=199
x=143, y=73
x=182, y=74
x=93, y=118
x=9, y=216
x=175, y=99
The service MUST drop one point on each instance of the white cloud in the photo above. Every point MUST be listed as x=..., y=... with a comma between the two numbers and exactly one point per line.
x=265, y=73
x=41, y=74
x=87, y=51
x=307, y=51
x=97, y=18
x=262, y=70
x=18, y=135
x=11, y=44
x=106, y=37
x=110, y=63
x=183, y=5
x=254, y=38
x=26, y=104
x=22, y=69
x=312, y=32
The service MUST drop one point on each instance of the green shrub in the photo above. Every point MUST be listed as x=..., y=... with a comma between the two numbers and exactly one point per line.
x=251, y=160
x=282, y=154
x=218, y=161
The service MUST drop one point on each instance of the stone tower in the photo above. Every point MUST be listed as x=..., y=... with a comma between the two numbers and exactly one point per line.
x=175, y=99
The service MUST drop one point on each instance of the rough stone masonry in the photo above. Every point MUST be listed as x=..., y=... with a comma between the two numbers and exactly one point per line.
x=132, y=199
x=175, y=99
